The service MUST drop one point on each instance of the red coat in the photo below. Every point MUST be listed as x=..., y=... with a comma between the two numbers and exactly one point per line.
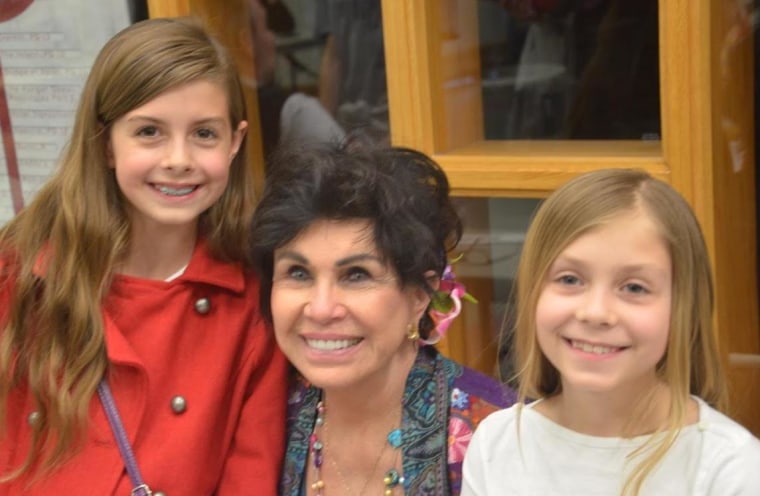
x=224, y=363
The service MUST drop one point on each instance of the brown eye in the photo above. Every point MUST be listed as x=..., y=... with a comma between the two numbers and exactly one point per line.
x=147, y=131
x=298, y=273
x=206, y=133
x=568, y=280
x=635, y=288
x=357, y=274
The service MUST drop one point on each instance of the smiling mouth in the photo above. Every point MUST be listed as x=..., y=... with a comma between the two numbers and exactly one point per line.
x=593, y=348
x=331, y=344
x=169, y=191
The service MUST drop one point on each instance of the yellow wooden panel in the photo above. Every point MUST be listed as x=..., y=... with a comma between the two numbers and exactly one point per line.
x=456, y=91
x=433, y=66
x=408, y=70
x=732, y=130
x=168, y=8
x=697, y=148
x=518, y=168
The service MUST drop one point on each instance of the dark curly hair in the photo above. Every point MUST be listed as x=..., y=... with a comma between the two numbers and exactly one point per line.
x=403, y=193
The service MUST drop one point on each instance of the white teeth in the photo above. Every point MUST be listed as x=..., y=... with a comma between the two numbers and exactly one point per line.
x=331, y=345
x=590, y=348
x=175, y=191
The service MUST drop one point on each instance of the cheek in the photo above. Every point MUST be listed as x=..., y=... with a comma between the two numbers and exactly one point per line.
x=279, y=309
x=656, y=318
x=286, y=305
x=127, y=174
x=659, y=329
x=218, y=167
x=131, y=163
x=548, y=310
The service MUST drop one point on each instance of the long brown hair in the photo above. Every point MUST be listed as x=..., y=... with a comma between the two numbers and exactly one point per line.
x=61, y=250
x=691, y=364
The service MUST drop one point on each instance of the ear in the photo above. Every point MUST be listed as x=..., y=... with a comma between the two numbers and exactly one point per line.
x=237, y=138
x=421, y=300
x=421, y=297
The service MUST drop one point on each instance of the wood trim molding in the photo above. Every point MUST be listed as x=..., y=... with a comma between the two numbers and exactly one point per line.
x=168, y=8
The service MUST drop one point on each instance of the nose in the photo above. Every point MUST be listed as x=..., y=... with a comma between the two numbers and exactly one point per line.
x=597, y=308
x=324, y=303
x=178, y=156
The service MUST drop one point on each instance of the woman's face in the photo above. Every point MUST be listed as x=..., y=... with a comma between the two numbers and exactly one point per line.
x=339, y=312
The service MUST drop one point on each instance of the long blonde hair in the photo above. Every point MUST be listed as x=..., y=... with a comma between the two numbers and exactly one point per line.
x=691, y=364
x=61, y=250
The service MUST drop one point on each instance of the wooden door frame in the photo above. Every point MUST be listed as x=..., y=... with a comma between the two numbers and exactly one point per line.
x=692, y=156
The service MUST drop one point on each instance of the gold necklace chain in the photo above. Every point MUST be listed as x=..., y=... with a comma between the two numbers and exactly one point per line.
x=318, y=449
x=342, y=478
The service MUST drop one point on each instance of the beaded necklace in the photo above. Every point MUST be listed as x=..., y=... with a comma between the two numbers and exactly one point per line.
x=391, y=478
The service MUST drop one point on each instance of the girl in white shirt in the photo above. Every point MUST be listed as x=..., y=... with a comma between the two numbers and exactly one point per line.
x=614, y=340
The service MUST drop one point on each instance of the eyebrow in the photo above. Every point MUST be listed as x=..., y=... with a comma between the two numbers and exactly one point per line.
x=361, y=257
x=625, y=268
x=210, y=120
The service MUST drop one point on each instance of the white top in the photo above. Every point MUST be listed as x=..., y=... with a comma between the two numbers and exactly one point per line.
x=176, y=274
x=716, y=457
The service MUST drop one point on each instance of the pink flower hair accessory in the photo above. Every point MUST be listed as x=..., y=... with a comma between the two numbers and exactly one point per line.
x=446, y=304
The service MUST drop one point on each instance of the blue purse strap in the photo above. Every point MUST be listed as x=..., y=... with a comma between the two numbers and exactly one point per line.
x=140, y=488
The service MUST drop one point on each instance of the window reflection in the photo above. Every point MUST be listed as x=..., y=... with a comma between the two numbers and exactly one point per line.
x=288, y=112
x=352, y=82
x=320, y=70
x=490, y=249
x=569, y=69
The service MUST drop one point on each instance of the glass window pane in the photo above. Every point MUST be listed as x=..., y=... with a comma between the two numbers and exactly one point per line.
x=560, y=69
x=490, y=249
x=320, y=70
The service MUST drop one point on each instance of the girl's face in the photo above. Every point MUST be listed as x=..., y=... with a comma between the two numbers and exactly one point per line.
x=339, y=313
x=603, y=315
x=172, y=155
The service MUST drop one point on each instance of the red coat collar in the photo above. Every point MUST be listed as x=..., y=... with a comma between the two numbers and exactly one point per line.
x=203, y=268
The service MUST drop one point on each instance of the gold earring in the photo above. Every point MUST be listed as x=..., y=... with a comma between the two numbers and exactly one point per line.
x=412, y=332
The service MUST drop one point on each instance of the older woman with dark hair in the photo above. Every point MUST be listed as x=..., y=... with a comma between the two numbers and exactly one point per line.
x=351, y=245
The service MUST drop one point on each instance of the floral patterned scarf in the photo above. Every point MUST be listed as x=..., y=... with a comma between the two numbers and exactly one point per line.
x=443, y=403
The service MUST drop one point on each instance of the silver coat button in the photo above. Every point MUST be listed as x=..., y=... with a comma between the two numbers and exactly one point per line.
x=179, y=404
x=202, y=306
x=33, y=418
x=159, y=493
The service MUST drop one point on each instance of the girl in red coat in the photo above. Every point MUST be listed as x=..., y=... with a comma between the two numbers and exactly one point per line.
x=125, y=283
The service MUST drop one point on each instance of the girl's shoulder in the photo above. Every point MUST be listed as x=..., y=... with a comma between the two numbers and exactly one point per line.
x=504, y=420
x=724, y=432
x=730, y=454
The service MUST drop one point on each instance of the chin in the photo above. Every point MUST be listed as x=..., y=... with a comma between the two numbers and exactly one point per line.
x=324, y=382
x=590, y=387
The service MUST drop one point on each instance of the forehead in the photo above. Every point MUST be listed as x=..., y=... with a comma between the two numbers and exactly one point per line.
x=334, y=236
x=203, y=97
x=629, y=235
